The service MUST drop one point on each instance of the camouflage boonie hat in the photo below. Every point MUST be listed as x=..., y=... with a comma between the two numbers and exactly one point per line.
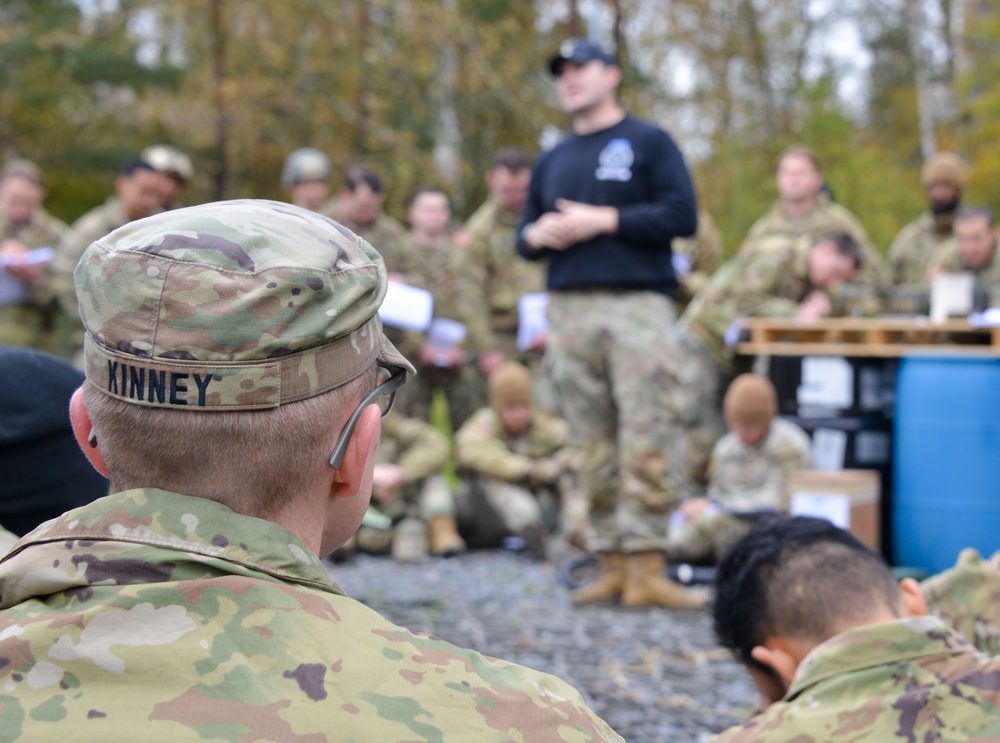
x=234, y=305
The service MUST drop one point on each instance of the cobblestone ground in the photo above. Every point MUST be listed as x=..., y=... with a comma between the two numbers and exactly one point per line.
x=653, y=674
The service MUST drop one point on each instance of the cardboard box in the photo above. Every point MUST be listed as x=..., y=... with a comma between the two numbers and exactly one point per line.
x=848, y=498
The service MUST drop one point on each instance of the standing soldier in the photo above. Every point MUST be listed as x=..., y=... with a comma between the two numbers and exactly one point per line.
x=603, y=206
x=176, y=166
x=431, y=261
x=358, y=206
x=805, y=209
x=943, y=178
x=306, y=177
x=490, y=239
x=138, y=191
x=25, y=225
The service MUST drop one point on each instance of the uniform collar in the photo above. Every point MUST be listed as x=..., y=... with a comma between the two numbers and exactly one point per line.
x=875, y=645
x=204, y=529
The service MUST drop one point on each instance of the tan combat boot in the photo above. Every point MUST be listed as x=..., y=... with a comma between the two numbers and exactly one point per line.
x=445, y=540
x=645, y=585
x=607, y=586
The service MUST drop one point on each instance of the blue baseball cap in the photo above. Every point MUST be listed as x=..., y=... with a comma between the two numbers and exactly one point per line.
x=578, y=51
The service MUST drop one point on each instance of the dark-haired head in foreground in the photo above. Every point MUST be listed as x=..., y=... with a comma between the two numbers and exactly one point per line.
x=795, y=582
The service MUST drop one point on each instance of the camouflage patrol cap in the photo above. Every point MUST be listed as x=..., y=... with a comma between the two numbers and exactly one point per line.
x=234, y=305
x=305, y=164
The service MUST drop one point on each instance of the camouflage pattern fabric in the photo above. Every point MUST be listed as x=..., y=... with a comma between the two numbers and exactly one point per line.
x=385, y=233
x=696, y=388
x=768, y=278
x=484, y=448
x=422, y=452
x=32, y=323
x=443, y=270
x=179, y=315
x=913, y=248
x=742, y=480
x=503, y=279
x=948, y=258
x=910, y=257
x=911, y=679
x=174, y=616
x=609, y=357
x=701, y=254
x=863, y=293
x=505, y=468
x=967, y=597
x=93, y=225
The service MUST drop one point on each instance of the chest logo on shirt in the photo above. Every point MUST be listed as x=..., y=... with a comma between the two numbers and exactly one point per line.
x=615, y=161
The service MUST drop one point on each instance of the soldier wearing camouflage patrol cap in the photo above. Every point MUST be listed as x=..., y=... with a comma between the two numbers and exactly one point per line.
x=233, y=396
x=838, y=650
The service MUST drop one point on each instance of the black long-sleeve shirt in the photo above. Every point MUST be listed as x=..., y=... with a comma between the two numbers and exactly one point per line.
x=636, y=168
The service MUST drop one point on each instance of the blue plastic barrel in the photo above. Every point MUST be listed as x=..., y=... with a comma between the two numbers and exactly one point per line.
x=946, y=493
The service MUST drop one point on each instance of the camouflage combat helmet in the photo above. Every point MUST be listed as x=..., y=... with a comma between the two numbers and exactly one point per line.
x=305, y=164
x=234, y=305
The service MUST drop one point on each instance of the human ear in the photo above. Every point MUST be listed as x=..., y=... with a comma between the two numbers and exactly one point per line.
x=913, y=598
x=777, y=658
x=359, y=457
x=83, y=430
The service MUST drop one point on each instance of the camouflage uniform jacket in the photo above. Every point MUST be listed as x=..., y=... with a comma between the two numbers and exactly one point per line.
x=701, y=254
x=766, y=279
x=499, y=273
x=911, y=679
x=866, y=287
x=94, y=224
x=967, y=597
x=948, y=258
x=911, y=252
x=444, y=271
x=385, y=234
x=484, y=448
x=154, y=612
x=29, y=324
x=415, y=445
x=753, y=478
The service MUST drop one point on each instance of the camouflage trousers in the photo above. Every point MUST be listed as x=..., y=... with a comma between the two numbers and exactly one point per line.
x=698, y=384
x=608, y=357
x=706, y=538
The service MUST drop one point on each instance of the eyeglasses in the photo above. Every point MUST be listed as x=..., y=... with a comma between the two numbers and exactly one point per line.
x=384, y=394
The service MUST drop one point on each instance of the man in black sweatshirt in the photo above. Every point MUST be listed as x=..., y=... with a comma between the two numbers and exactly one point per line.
x=603, y=207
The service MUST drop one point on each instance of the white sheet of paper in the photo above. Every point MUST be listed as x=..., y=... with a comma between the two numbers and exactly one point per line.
x=829, y=446
x=445, y=333
x=406, y=307
x=12, y=289
x=834, y=508
x=951, y=294
x=531, y=318
x=827, y=382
